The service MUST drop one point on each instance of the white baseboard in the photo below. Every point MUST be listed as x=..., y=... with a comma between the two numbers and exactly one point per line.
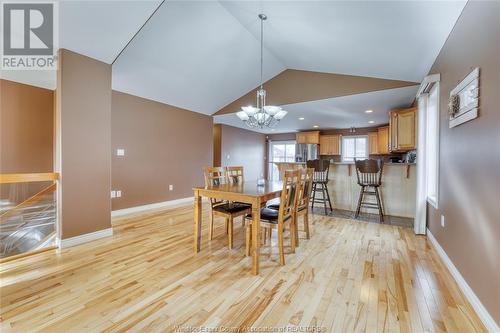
x=138, y=209
x=68, y=242
x=476, y=304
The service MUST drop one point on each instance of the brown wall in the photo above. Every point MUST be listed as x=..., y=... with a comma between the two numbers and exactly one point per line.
x=163, y=145
x=469, y=177
x=83, y=143
x=244, y=148
x=294, y=86
x=26, y=128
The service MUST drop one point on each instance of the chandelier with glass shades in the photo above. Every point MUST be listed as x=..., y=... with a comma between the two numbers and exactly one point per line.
x=261, y=115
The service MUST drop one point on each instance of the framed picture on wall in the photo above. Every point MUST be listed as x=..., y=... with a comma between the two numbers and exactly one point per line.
x=464, y=100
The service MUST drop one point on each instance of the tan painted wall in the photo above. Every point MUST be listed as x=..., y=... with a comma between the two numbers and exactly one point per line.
x=83, y=143
x=26, y=128
x=469, y=177
x=295, y=86
x=244, y=148
x=163, y=145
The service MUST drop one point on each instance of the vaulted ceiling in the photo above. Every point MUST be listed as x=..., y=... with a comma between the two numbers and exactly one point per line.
x=202, y=55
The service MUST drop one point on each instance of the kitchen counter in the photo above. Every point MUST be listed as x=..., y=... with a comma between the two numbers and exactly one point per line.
x=398, y=188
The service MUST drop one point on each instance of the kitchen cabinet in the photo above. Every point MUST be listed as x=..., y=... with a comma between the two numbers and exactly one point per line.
x=311, y=137
x=403, y=130
x=330, y=144
x=383, y=140
x=373, y=143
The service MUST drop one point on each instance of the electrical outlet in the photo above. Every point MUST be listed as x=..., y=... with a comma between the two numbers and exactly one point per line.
x=228, y=156
x=120, y=152
x=442, y=221
x=170, y=187
x=113, y=194
x=118, y=194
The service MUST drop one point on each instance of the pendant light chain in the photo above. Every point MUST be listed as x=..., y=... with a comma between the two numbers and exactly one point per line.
x=261, y=115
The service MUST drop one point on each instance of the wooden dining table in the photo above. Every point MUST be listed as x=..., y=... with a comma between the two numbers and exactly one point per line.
x=247, y=192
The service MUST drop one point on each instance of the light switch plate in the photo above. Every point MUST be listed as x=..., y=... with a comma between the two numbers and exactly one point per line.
x=113, y=194
x=170, y=187
x=120, y=152
x=118, y=194
x=442, y=221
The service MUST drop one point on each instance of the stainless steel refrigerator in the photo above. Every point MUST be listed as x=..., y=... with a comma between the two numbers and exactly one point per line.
x=306, y=152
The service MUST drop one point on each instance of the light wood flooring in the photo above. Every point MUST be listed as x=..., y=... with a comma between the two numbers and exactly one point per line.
x=351, y=276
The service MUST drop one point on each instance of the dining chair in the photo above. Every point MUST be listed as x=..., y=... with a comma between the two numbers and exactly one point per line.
x=369, y=174
x=306, y=184
x=234, y=175
x=215, y=176
x=278, y=219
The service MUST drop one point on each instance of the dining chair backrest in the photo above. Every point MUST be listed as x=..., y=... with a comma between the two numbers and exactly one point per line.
x=214, y=176
x=321, y=169
x=369, y=172
x=306, y=179
x=289, y=195
x=234, y=175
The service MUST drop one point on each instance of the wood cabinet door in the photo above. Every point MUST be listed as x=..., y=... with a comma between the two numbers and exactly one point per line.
x=383, y=140
x=393, y=131
x=300, y=137
x=406, y=129
x=312, y=137
x=373, y=143
x=329, y=144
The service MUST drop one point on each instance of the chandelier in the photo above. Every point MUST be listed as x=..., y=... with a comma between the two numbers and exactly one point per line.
x=261, y=115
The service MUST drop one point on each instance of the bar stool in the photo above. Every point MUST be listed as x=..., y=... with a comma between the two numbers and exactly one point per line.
x=369, y=173
x=320, y=182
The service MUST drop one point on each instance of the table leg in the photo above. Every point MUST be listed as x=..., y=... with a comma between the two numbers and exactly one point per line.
x=197, y=222
x=255, y=236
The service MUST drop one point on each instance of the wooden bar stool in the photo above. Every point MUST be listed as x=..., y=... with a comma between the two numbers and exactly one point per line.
x=320, y=183
x=369, y=173
x=214, y=176
x=277, y=219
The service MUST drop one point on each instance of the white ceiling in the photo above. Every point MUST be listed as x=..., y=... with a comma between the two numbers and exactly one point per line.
x=97, y=29
x=194, y=55
x=338, y=112
x=202, y=55
x=386, y=39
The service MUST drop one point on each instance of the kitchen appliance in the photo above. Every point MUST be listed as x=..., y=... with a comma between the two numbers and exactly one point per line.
x=306, y=152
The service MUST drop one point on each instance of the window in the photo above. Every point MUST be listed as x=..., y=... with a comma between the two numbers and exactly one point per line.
x=432, y=146
x=280, y=151
x=354, y=147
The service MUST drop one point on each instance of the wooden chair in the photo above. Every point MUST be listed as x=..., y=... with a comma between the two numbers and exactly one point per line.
x=306, y=184
x=369, y=173
x=234, y=175
x=214, y=176
x=277, y=219
x=320, y=183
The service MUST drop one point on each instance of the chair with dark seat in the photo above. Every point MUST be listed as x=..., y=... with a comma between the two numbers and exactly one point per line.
x=306, y=178
x=214, y=176
x=320, y=183
x=369, y=173
x=277, y=219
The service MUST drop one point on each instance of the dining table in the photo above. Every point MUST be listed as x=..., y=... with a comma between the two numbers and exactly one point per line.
x=246, y=192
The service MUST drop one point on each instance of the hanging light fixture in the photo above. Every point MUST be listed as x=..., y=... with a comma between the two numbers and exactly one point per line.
x=261, y=115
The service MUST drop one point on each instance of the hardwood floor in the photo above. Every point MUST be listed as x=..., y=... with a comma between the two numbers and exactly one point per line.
x=350, y=276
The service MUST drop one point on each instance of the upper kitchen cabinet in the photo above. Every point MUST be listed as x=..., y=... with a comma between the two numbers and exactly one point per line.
x=378, y=142
x=373, y=143
x=403, y=130
x=311, y=137
x=383, y=140
x=329, y=144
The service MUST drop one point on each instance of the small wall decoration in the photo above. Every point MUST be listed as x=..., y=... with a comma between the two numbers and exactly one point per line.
x=464, y=100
